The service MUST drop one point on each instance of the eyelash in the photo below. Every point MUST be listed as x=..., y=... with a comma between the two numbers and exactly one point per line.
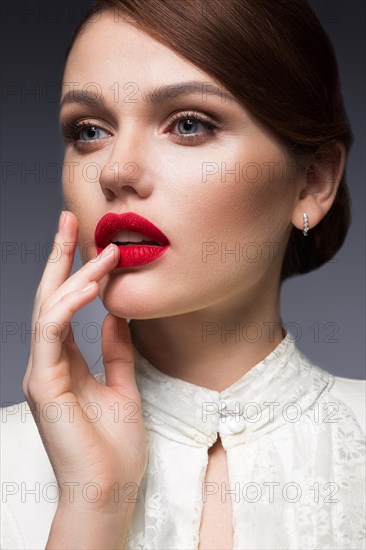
x=71, y=130
x=211, y=126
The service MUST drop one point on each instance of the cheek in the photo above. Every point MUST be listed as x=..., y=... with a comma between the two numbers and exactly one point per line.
x=246, y=199
x=72, y=184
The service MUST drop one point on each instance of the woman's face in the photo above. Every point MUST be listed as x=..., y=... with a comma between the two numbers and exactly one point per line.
x=213, y=180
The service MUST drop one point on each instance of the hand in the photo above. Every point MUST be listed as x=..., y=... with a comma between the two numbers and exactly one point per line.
x=98, y=436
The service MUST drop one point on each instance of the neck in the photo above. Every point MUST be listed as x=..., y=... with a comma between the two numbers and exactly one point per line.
x=211, y=348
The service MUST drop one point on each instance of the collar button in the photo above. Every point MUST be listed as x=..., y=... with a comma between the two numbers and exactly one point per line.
x=233, y=425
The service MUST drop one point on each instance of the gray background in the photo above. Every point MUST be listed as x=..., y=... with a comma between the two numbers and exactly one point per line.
x=325, y=310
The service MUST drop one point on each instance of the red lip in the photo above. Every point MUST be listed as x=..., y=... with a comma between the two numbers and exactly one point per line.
x=131, y=255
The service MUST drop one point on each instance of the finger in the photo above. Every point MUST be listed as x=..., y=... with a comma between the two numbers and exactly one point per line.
x=50, y=374
x=57, y=270
x=60, y=261
x=118, y=358
x=94, y=270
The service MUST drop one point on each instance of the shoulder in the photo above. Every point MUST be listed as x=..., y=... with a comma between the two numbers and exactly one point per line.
x=10, y=535
x=352, y=392
x=28, y=482
x=22, y=447
x=347, y=394
x=17, y=419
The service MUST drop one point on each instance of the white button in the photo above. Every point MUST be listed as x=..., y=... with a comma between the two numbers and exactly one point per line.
x=231, y=425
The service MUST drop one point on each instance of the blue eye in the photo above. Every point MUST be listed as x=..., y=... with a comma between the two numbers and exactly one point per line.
x=83, y=133
x=188, y=124
x=89, y=133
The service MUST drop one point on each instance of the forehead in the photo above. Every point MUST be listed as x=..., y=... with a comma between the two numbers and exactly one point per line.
x=111, y=50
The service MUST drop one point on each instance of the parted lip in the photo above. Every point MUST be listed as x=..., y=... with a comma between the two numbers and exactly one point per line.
x=110, y=224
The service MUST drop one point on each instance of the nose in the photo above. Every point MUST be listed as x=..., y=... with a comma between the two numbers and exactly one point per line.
x=126, y=169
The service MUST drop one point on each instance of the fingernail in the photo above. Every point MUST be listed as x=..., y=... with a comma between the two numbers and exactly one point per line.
x=62, y=219
x=109, y=250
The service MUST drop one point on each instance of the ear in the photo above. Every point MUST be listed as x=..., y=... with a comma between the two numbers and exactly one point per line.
x=323, y=176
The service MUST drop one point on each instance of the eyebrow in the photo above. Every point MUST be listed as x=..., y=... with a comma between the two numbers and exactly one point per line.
x=155, y=96
x=163, y=93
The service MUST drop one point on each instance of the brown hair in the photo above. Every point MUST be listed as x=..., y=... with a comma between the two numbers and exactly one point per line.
x=277, y=60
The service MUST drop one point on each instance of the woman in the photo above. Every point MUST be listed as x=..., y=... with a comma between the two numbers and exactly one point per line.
x=220, y=140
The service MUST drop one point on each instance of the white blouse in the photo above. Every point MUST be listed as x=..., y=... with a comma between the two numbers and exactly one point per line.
x=295, y=456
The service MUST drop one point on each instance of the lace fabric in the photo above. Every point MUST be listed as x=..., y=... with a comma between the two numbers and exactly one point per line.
x=295, y=458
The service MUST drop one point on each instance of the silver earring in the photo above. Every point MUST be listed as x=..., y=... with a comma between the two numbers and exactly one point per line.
x=306, y=224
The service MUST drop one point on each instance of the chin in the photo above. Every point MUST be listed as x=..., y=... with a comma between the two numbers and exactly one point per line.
x=149, y=303
x=129, y=300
